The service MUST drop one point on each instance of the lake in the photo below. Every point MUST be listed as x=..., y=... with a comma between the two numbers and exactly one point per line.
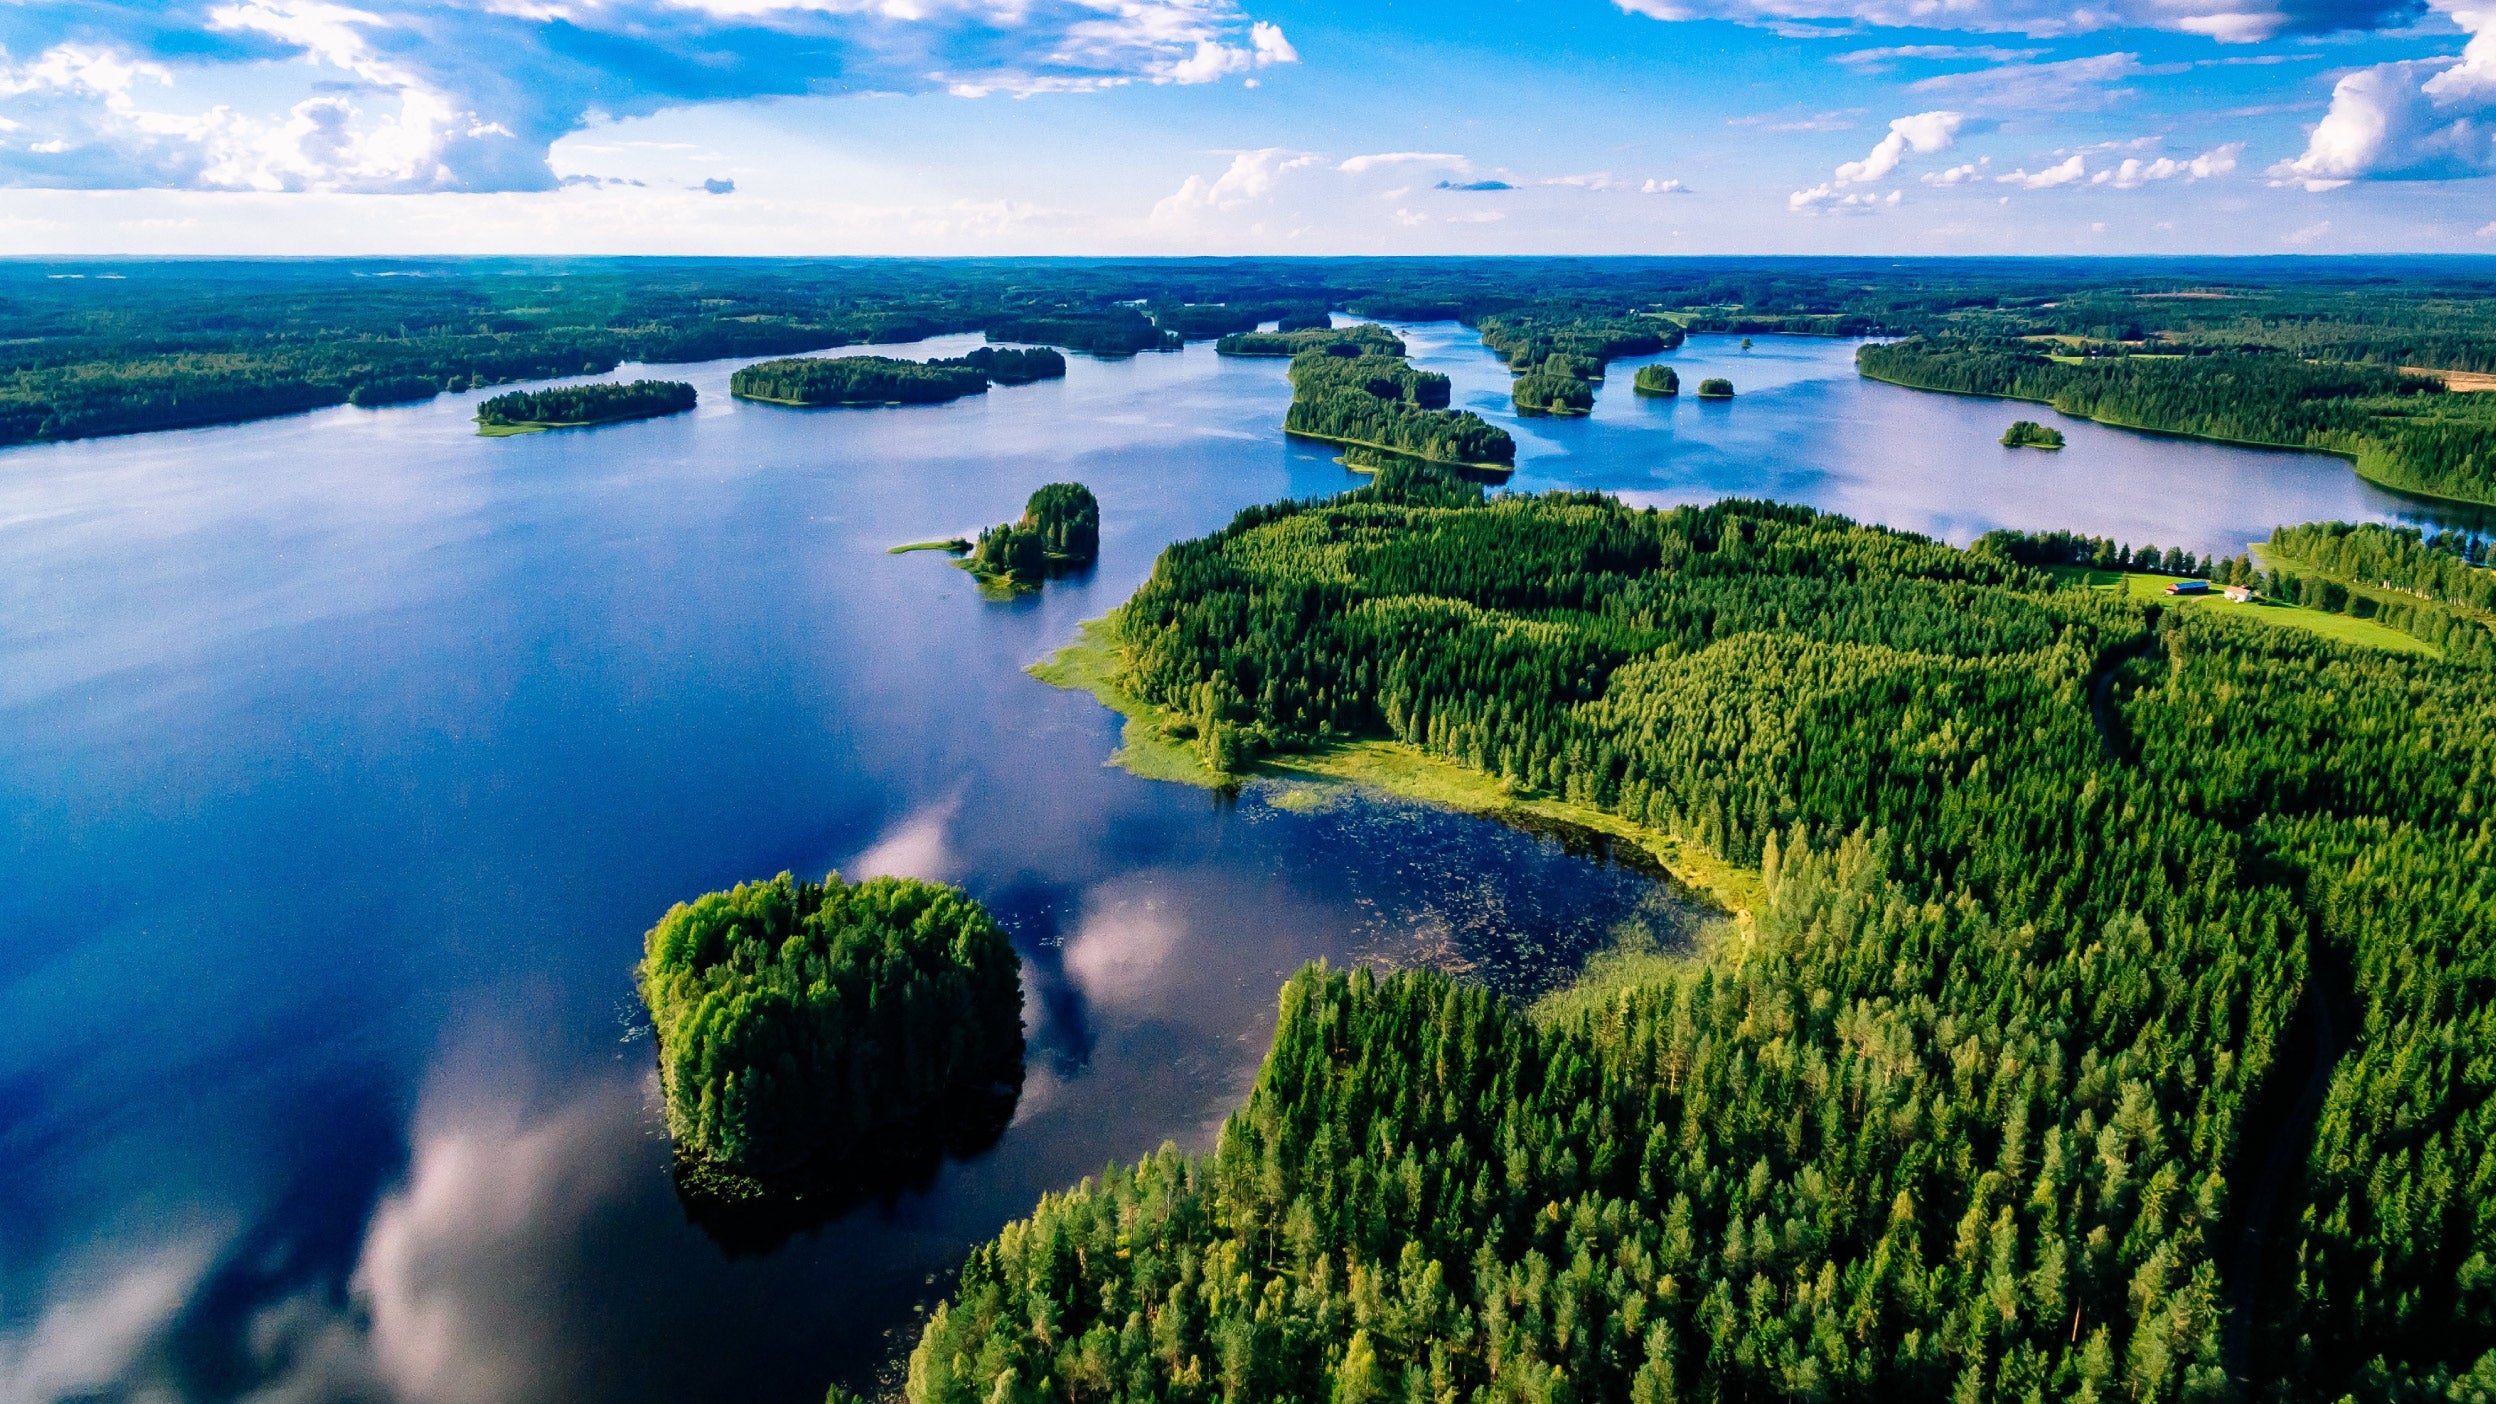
x=349, y=756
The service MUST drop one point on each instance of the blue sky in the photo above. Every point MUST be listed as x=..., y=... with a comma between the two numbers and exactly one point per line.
x=1243, y=126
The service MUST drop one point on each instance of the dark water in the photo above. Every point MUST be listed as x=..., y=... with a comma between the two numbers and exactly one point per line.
x=345, y=758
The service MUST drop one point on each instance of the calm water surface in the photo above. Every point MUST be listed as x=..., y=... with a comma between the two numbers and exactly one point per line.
x=346, y=757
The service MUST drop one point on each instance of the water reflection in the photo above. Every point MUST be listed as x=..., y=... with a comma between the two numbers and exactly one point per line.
x=350, y=756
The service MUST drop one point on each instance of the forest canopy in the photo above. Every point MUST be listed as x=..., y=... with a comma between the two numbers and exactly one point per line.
x=565, y=405
x=2027, y=433
x=1657, y=380
x=797, y=1021
x=1984, y=1107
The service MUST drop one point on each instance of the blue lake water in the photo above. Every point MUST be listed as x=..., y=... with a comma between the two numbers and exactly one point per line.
x=346, y=757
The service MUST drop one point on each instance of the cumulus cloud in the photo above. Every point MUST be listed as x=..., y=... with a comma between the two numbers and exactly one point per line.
x=1251, y=176
x=1956, y=175
x=402, y=95
x=1664, y=187
x=2135, y=173
x=2230, y=21
x=2417, y=119
x=1828, y=199
x=1921, y=133
x=2064, y=172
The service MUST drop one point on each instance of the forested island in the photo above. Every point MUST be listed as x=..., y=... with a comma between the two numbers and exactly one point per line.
x=801, y=1023
x=1545, y=393
x=1999, y=1093
x=1715, y=387
x=2403, y=431
x=2027, y=433
x=1349, y=391
x=578, y=406
x=1060, y=530
x=1011, y=365
x=1656, y=380
x=815, y=381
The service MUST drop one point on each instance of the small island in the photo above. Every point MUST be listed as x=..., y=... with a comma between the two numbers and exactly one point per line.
x=1656, y=380
x=1715, y=387
x=2027, y=433
x=1012, y=366
x=394, y=390
x=1060, y=530
x=802, y=1024
x=815, y=381
x=578, y=406
x=1543, y=393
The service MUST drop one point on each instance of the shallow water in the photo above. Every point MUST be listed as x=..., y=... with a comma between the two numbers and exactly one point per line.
x=349, y=755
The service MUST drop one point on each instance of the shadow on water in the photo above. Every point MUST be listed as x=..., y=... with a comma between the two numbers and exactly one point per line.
x=749, y=1217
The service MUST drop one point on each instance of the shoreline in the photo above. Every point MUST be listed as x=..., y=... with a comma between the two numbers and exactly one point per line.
x=1089, y=664
x=2355, y=460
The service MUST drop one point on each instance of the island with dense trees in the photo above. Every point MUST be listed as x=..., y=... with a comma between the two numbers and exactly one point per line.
x=1715, y=387
x=1010, y=365
x=800, y=1023
x=1540, y=392
x=2118, y=970
x=1350, y=392
x=1656, y=380
x=578, y=406
x=815, y=381
x=2027, y=433
x=1060, y=530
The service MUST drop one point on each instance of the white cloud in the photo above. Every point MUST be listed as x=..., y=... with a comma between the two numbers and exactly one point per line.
x=2230, y=21
x=1592, y=180
x=1251, y=176
x=1922, y=133
x=1664, y=187
x=2135, y=173
x=1371, y=162
x=2065, y=172
x=81, y=1341
x=1827, y=199
x=403, y=95
x=2487, y=230
x=2417, y=119
x=916, y=847
x=1956, y=175
x=2307, y=235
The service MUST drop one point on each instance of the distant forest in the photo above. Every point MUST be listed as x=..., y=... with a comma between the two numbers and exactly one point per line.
x=110, y=346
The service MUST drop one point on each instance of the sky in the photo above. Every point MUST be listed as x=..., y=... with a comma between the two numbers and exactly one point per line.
x=791, y=127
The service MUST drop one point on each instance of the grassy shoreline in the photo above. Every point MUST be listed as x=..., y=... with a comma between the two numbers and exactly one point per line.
x=1090, y=664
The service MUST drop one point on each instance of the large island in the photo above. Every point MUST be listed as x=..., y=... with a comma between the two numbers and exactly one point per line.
x=2015, y=1075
